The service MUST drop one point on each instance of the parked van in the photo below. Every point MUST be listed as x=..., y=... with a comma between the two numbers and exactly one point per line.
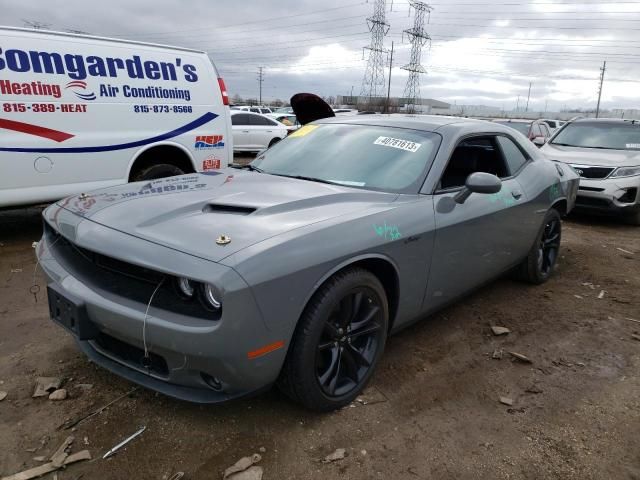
x=79, y=112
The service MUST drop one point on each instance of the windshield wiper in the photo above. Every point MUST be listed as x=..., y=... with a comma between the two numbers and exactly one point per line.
x=302, y=177
x=248, y=166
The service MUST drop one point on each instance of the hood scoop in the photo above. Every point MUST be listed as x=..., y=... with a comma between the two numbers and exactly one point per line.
x=228, y=209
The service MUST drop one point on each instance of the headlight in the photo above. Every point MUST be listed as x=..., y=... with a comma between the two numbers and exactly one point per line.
x=210, y=298
x=185, y=287
x=626, y=172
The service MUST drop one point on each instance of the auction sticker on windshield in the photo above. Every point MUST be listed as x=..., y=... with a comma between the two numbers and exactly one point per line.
x=301, y=132
x=398, y=143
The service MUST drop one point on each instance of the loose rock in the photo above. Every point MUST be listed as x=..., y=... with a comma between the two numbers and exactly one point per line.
x=497, y=331
x=46, y=385
x=497, y=354
x=241, y=465
x=60, y=394
x=506, y=401
x=3, y=395
x=633, y=335
x=251, y=473
x=520, y=357
x=339, y=454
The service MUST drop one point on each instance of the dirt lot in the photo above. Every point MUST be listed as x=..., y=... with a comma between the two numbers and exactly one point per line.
x=435, y=410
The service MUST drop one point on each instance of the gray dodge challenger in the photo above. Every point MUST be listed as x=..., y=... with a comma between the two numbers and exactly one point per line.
x=293, y=270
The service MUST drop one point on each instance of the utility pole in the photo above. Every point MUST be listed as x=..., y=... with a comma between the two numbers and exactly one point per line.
x=546, y=104
x=518, y=104
x=389, y=85
x=602, y=70
x=528, y=96
x=260, y=80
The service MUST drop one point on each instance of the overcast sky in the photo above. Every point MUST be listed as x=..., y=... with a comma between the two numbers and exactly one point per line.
x=482, y=52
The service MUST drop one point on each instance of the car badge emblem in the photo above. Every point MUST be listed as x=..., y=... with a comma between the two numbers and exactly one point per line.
x=223, y=240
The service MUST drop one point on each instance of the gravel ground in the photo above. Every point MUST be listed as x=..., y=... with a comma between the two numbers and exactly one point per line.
x=433, y=409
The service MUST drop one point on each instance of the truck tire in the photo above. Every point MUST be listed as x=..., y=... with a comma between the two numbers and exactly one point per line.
x=154, y=172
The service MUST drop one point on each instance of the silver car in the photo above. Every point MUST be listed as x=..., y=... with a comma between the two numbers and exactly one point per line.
x=295, y=269
x=606, y=155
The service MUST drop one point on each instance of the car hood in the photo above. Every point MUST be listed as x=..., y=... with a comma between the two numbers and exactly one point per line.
x=591, y=156
x=190, y=212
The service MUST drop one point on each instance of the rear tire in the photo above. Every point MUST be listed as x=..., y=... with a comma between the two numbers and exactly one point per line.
x=540, y=263
x=338, y=342
x=155, y=172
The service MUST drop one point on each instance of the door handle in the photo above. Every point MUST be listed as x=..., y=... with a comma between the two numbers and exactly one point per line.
x=269, y=131
x=245, y=131
x=516, y=194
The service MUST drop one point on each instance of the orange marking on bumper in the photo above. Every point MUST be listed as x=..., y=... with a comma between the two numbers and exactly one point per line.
x=266, y=349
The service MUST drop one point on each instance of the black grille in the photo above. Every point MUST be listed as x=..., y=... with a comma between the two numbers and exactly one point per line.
x=131, y=355
x=591, y=189
x=592, y=172
x=123, y=279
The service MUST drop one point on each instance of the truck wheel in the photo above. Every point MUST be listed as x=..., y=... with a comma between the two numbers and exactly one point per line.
x=154, y=172
x=541, y=260
x=338, y=342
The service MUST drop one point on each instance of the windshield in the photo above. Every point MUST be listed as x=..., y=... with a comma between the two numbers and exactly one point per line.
x=372, y=157
x=522, y=127
x=615, y=136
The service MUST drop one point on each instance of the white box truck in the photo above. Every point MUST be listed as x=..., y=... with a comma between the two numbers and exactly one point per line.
x=79, y=112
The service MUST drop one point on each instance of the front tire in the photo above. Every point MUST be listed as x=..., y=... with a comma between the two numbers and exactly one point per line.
x=541, y=260
x=338, y=342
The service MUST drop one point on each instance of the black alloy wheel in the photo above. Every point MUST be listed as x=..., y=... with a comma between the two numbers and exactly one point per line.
x=349, y=342
x=549, y=246
x=338, y=341
x=540, y=262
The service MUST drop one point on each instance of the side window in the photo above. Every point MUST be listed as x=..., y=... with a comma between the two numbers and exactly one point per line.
x=240, y=119
x=476, y=154
x=512, y=154
x=255, y=110
x=262, y=121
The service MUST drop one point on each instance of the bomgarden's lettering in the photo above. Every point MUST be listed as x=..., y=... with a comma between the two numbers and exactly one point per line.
x=79, y=67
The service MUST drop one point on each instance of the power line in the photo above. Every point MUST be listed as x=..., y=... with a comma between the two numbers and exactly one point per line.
x=262, y=20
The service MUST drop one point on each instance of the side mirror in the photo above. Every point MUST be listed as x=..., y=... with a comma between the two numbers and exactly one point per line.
x=539, y=141
x=479, y=182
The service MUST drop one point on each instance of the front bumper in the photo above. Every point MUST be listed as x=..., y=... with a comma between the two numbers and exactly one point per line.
x=194, y=359
x=613, y=196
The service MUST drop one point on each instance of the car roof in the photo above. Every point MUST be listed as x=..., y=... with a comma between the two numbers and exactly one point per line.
x=426, y=123
x=607, y=120
x=513, y=120
x=245, y=112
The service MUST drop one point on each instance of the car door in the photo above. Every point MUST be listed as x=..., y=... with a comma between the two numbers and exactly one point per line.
x=240, y=124
x=479, y=239
x=263, y=130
